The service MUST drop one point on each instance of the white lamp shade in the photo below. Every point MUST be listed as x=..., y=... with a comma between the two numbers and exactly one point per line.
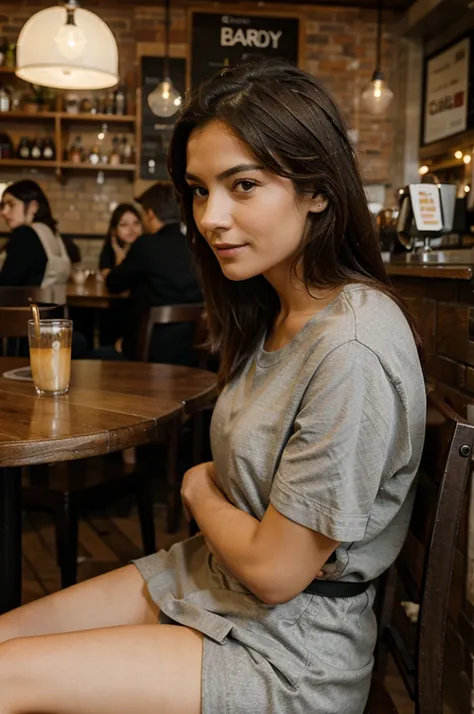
x=39, y=59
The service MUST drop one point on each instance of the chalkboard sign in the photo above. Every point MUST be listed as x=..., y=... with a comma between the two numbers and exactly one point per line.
x=222, y=39
x=156, y=131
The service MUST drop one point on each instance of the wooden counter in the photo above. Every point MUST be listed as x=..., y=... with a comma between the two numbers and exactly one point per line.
x=441, y=297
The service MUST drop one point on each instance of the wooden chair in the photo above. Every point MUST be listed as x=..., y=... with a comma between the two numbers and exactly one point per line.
x=166, y=315
x=422, y=573
x=14, y=323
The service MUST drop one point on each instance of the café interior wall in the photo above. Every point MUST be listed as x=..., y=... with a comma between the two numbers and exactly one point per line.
x=339, y=49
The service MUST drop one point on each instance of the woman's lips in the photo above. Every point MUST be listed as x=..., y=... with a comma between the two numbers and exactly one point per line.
x=227, y=250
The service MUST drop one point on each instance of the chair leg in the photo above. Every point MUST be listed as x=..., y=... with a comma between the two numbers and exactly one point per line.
x=66, y=542
x=146, y=514
x=173, y=499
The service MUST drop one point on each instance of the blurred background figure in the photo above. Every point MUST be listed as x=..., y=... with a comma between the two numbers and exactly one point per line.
x=157, y=270
x=124, y=228
x=36, y=254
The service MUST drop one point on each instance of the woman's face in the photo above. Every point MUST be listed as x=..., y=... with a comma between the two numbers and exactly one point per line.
x=249, y=216
x=129, y=228
x=14, y=212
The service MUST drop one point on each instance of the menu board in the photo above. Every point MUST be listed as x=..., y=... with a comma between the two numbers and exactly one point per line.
x=220, y=40
x=156, y=131
x=448, y=95
x=426, y=205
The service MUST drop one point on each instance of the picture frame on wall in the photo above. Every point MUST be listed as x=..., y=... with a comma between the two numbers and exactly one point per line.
x=448, y=94
x=220, y=39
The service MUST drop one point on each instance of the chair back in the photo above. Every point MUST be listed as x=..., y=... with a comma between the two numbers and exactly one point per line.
x=422, y=573
x=22, y=296
x=166, y=315
x=14, y=325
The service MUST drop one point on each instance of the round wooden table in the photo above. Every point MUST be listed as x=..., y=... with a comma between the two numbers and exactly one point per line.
x=110, y=406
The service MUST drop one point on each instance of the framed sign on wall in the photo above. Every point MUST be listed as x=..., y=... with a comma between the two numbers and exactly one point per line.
x=221, y=39
x=155, y=132
x=448, y=96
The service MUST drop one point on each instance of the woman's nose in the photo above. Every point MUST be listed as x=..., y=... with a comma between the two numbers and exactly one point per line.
x=216, y=214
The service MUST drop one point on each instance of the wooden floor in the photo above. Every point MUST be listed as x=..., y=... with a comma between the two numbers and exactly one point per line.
x=107, y=543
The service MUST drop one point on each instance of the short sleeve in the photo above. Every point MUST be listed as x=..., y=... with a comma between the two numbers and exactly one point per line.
x=350, y=434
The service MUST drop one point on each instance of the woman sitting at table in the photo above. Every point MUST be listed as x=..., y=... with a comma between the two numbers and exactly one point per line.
x=35, y=254
x=124, y=228
x=316, y=438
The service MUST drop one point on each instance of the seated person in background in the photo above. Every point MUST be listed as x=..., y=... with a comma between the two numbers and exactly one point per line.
x=35, y=253
x=157, y=270
x=124, y=228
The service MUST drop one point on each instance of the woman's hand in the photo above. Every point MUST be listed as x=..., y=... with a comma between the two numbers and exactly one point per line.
x=119, y=252
x=195, y=481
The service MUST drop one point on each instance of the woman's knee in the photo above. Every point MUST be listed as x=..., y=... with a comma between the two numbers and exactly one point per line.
x=14, y=668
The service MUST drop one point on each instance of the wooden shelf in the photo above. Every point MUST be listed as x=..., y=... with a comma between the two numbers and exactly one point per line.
x=28, y=163
x=64, y=116
x=103, y=118
x=7, y=70
x=31, y=116
x=97, y=167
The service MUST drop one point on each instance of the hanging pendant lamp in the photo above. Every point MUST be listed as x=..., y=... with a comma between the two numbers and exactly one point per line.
x=377, y=97
x=165, y=100
x=67, y=48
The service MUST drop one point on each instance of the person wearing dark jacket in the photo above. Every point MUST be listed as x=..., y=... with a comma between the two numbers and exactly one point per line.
x=157, y=270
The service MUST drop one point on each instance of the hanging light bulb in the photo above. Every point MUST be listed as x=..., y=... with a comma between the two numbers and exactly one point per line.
x=377, y=97
x=165, y=100
x=70, y=39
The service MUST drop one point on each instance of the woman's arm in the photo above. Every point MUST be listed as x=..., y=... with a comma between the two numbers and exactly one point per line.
x=275, y=558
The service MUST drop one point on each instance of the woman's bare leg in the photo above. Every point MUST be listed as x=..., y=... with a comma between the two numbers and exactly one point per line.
x=117, y=598
x=145, y=669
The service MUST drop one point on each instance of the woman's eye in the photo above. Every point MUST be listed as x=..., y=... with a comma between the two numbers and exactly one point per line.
x=198, y=191
x=245, y=185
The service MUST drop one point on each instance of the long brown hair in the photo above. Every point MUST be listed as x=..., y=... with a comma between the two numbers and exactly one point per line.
x=294, y=129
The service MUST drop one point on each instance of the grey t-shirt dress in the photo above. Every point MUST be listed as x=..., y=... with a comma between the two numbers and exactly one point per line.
x=329, y=430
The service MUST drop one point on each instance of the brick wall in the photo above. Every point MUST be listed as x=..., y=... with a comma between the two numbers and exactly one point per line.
x=340, y=50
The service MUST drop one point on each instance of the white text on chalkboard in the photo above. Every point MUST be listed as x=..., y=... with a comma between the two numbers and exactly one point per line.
x=249, y=38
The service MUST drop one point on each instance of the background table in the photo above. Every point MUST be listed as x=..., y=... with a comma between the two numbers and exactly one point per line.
x=92, y=294
x=110, y=406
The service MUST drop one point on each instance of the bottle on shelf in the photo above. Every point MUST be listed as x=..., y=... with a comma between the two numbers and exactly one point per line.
x=115, y=153
x=120, y=100
x=125, y=151
x=24, y=148
x=76, y=152
x=48, y=149
x=94, y=156
x=5, y=100
x=35, y=150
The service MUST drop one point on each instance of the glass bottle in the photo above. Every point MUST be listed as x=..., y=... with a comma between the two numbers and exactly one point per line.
x=48, y=149
x=115, y=157
x=24, y=148
x=35, y=150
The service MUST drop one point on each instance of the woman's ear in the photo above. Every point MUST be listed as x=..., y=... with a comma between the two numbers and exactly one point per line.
x=318, y=203
x=32, y=210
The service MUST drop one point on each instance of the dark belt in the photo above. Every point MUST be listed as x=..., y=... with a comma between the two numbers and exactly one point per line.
x=337, y=588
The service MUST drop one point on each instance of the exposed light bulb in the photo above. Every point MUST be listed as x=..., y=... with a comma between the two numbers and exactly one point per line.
x=423, y=170
x=70, y=39
x=467, y=188
x=458, y=154
x=377, y=96
x=165, y=100
x=467, y=158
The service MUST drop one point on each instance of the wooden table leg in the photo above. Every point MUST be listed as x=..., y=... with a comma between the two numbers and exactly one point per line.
x=10, y=538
